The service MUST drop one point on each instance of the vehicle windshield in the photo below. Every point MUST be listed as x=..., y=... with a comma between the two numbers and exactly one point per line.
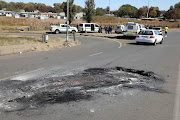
x=157, y=28
x=146, y=33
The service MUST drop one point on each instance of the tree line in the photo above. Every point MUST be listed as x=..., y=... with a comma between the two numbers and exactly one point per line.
x=90, y=11
x=31, y=7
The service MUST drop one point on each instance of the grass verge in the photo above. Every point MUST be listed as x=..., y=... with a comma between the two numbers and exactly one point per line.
x=11, y=44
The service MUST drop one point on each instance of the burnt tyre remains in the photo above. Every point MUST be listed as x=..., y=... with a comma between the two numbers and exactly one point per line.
x=18, y=95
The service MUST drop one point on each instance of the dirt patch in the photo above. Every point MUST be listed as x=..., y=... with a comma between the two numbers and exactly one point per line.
x=19, y=95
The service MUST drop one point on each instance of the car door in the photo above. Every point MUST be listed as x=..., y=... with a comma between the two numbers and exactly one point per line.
x=64, y=28
x=156, y=36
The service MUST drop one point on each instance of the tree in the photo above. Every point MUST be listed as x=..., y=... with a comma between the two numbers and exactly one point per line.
x=177, y=5
x=158, y=12
x=171, y=8
x=89, y=10
x=100, y=12
x=127, y=11
x=173, y=14
x=58, y=7
x=30, y=7
x=152, y=12
x=3, y=4
x=0, y=7
x=79, y=9
x=107, y=10
x=142, y=12
x=72, y=10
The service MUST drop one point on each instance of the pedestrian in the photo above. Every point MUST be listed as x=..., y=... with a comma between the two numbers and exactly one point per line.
x=109, y=29
x=101, y=28
x=166, y=30
x=77, y=26
x=105, y=29
x=178, y=25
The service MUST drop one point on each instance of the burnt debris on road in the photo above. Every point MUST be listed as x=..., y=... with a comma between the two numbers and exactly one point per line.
x=18, y=95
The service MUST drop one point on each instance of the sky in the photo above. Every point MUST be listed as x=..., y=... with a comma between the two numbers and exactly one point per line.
x=114, y=4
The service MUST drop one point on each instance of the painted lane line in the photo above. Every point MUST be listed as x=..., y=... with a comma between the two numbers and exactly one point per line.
x=120, y=44
x=177, y=100
x=22, y=74
x=96, y=54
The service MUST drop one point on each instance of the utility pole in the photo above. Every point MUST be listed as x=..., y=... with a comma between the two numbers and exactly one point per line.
x=67, y=34
x=109, y=8
x=147, y=14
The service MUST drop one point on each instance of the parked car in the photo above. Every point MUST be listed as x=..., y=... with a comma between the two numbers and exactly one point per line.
x=62, y=28
x=149, y=36
x=88, y=27
x=142, y=27
x=131, y=29
x=159, y=29
x=119, y=28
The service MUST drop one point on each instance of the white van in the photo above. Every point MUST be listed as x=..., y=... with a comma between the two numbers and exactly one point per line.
x=119, y=28
x=131, y=29
x=88, y=27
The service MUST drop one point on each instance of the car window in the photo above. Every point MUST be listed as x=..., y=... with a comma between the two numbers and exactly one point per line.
x=97, y=25
x=80, y=25
x=130, y=27
x=146, y=32
x=87, y=25
x=64, y=26
x=157, y=32
x=156, y=28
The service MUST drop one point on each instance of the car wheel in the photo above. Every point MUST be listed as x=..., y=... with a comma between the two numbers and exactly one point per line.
x=137, y=43
x=155, y=43
x=57, y=31
x=161, y=41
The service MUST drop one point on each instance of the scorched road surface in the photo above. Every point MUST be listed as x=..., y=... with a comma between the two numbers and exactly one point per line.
x=99, y=80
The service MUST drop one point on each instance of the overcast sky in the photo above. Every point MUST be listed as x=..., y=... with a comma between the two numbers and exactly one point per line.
x=115, y=4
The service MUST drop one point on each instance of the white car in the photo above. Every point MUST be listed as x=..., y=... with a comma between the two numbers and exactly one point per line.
x=149, y=36
x=62, y=28
x=119, y=28
x=159, y=29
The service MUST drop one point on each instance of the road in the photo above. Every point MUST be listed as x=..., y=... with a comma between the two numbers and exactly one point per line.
x=132, y=104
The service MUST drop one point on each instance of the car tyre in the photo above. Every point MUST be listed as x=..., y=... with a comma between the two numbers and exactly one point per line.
x=57, y=31
x=137, y=43
x=161, y=41
x=155, y=43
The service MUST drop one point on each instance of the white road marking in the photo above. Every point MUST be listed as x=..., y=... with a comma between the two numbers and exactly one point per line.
x=16, y=76
x=177, y=100
x=96, y=54
x=120, y=44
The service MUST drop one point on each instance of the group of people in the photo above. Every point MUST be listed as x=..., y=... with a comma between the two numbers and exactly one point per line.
x=108, y=29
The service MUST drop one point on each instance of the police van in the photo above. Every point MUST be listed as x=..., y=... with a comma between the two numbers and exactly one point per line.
x=88, y=27
x=132, y=29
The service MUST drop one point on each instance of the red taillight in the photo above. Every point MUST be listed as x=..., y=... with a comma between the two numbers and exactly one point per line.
x=160, y=31
x=82, y=29
x=137, y=36
x=152, y=37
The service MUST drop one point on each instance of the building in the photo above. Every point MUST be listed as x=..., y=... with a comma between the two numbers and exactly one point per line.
x=49, y=15
x=79, y=15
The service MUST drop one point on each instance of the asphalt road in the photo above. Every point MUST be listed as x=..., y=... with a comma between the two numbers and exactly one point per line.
x=103, y=53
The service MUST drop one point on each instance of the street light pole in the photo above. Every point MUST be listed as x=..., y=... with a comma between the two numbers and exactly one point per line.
x=147, y=14
x=67, y=34
x=109, y=7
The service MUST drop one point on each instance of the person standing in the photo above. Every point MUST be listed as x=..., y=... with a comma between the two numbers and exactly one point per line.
x=105, y=29
x=101, y=29
x=166, y=30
